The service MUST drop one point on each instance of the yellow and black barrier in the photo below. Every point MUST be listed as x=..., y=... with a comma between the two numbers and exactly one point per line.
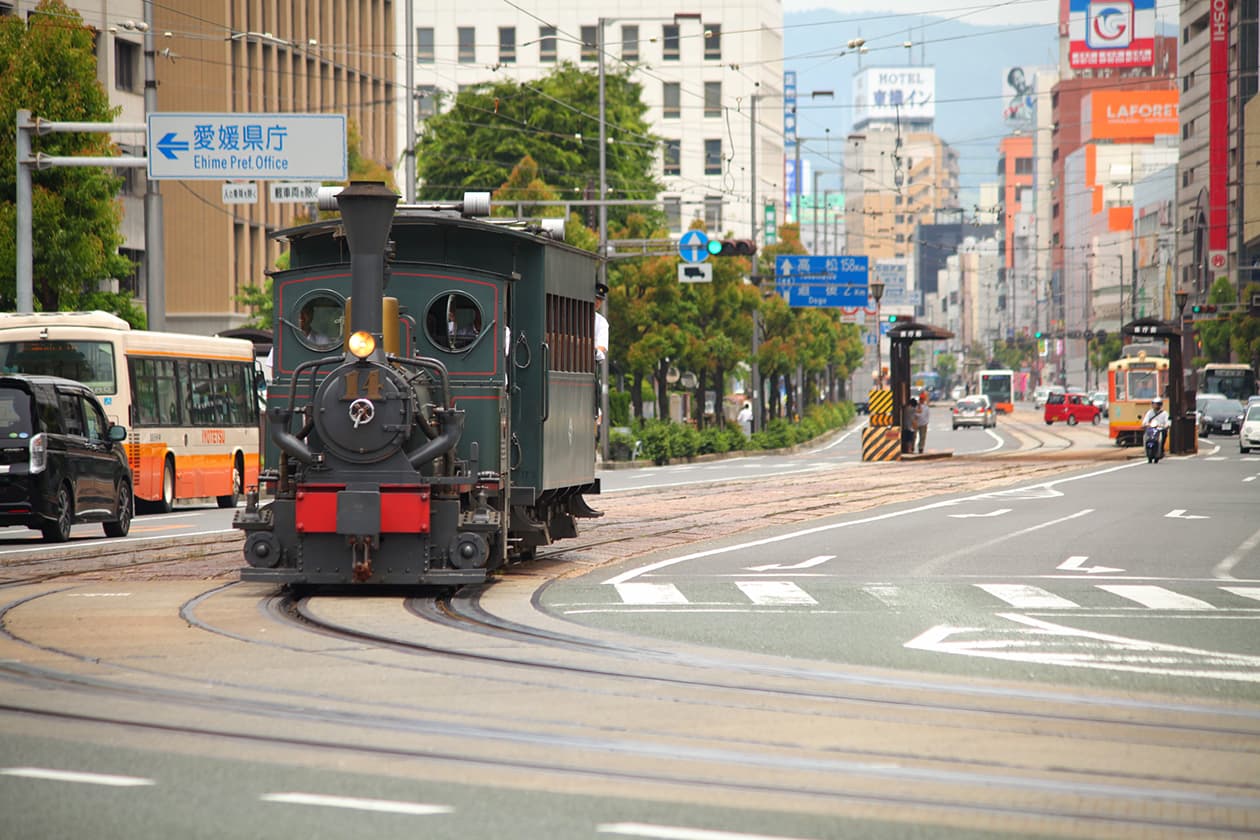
x=880, y=407
x=881, y=443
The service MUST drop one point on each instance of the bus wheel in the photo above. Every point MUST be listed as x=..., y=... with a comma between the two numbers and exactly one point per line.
x=167, y=502
x=238, y=485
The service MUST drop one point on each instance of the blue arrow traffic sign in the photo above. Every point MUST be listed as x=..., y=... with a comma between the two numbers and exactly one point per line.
x=694, y=246
x=168, y=145
x=247, y=146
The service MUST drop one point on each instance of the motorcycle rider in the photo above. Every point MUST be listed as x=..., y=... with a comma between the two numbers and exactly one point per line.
x=1157, y=418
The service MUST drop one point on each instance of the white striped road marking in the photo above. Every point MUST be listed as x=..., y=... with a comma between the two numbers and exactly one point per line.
x=79, y=778
x=651, y=594
x=381, y=805
x=1023, y=597
x=1225, y=568
x=774, y=593
x=1244, y=591
x=1157, y=597
x=674, y=832
x=885, y=593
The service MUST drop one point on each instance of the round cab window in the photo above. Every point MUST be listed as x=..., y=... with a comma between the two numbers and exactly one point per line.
x=319, y=321
x=453, y=322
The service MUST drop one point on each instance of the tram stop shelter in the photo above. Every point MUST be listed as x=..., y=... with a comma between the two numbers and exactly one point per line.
x=1182, y=437
x=901, y=337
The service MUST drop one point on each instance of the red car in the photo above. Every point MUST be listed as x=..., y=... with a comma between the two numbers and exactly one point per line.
x=1074, y=408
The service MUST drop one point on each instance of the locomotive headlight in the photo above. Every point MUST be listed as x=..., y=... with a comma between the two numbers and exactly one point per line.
x=362, y=344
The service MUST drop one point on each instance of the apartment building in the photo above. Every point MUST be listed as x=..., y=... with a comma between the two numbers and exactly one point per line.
x=698, y=72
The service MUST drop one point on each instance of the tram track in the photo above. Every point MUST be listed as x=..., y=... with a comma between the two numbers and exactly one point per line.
x=814, y=748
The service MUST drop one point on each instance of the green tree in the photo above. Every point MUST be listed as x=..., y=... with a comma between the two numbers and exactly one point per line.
x=48, y=66
x=1214, y=336
x=1244, y=338
x=525, y=186
x=554, y=121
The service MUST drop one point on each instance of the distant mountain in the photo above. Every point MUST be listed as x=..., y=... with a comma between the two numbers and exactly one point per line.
x=970, y=61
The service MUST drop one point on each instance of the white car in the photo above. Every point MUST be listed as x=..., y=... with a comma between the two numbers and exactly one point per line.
x=1043, y=392
x=1249, y=435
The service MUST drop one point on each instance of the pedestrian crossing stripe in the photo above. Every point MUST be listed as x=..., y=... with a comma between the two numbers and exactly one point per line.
x=781, y=593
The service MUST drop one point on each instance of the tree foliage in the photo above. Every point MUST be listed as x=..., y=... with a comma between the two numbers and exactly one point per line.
x=48, y=66
x=554, y=121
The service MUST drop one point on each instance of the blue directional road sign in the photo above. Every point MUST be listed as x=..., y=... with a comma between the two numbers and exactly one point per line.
x=282, y=147
x=822, y=281
x=694, y=246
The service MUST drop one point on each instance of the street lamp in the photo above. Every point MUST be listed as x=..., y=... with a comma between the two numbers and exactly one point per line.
x=877, y=292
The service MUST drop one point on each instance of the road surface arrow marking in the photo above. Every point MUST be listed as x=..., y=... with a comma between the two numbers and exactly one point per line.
x=1044, y=643
x=997, y=512
x=1179, y=513
x=1075, y=564
x=804, y=564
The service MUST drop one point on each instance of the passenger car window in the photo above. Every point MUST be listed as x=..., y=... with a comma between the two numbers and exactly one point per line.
x=93, y=420
x=15, y=413
x=71, y=414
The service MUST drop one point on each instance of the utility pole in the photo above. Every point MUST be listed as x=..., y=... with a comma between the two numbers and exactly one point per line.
x=755, y=372
x=154, y=242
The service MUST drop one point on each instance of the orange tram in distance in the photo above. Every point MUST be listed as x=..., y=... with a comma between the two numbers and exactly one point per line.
x=1133, y=381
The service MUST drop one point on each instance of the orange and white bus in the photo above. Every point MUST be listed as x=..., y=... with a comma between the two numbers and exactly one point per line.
x=188, y=401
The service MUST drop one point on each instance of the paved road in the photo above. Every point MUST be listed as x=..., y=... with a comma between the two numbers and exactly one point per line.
x=1146, y=575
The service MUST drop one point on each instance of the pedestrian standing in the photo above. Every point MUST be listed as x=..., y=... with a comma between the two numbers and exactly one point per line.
x=921, y=415
x=907, y=426
x=744, y=418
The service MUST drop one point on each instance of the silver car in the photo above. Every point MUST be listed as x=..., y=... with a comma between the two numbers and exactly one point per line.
x=974, y=410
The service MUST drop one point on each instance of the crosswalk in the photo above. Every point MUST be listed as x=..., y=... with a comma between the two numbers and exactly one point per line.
x=1022, y=596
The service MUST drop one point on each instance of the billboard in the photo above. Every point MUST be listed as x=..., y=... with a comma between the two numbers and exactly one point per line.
x=1111, y=33
x=1130, y=114
x=889, y=93
x=1019, y=95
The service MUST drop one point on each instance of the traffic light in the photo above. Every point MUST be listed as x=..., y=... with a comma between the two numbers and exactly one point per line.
x=1037, y=334
x=892, y=319
x=1203, y=308
x=1101, y=335
x=732, y=247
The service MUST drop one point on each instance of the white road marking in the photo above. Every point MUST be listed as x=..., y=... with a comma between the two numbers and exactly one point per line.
x=1074, y=564
x=1156, y=597
x=1225, y=568
x=886, y=593
x=1044, y=643
x=988, y=515
x=1025, y=597
x=775, y=593
x=1250, y=478
x=1245, y=591
x=650, y=594
x=380, y=805
x=124, y=540
x=973, y=550
x=673, y=832
x=630, y=574
x=804, y=564
x=78, y=778
x=1180, y=513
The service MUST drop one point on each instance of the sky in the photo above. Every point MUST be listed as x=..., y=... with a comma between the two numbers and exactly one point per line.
x=978, y=12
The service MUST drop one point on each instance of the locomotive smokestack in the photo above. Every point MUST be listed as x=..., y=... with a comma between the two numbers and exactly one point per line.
x=367, y=213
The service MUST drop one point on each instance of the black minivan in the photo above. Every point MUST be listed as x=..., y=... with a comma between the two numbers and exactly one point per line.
x=60, y=461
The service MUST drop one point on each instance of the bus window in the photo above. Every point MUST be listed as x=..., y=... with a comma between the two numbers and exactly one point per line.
x=89, y=362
